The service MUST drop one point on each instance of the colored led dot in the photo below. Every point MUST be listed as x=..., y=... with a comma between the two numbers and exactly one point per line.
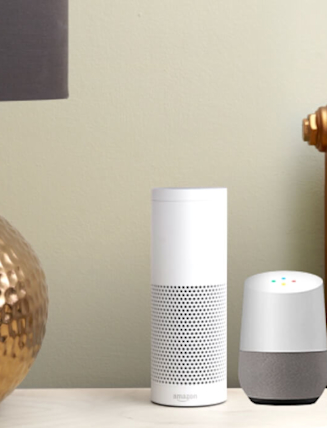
x=283, y=278
x=293, y=280
x=273, y=280
x=283, y=283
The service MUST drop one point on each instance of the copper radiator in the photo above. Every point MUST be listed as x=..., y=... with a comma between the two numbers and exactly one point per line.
x=315, y=133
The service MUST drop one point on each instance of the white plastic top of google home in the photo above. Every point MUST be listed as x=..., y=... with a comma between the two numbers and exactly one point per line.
x=281, y=282
x=283, y=311
x=188, y=194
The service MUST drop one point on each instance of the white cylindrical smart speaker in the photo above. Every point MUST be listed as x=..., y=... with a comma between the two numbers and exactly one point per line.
x=189, y=291
x=283, y=349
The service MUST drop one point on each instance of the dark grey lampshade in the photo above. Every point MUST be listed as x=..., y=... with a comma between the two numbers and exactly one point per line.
x=33, y=49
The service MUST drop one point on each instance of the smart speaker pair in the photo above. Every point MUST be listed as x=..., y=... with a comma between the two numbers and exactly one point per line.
x=283, y=352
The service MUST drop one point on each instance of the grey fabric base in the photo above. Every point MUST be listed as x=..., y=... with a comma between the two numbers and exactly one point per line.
x=283, y=376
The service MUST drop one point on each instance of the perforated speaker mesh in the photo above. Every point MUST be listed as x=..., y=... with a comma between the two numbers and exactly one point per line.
x=188, y=334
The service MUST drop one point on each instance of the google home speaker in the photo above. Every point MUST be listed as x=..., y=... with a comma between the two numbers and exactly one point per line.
x=189, y=274
x=283, y=350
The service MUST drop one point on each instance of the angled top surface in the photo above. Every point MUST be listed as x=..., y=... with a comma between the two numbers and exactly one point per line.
x=175, y=194
x=283, y=282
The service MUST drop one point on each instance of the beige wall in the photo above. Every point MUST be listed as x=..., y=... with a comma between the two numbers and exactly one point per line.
x=163, y=93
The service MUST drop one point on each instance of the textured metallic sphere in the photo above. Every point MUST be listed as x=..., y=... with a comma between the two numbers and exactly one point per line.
x=23, y=307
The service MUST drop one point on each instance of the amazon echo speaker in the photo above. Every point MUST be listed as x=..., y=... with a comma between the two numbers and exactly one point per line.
x=189, y=290
x=283, y=350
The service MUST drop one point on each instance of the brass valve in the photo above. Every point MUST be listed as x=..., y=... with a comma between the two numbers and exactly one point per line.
x=314, y=129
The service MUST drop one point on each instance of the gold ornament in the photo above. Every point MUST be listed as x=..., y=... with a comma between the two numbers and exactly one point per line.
x=23, y=307
x=314, y=129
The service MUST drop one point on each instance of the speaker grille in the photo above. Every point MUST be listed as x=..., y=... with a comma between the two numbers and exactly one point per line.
x=188, y=334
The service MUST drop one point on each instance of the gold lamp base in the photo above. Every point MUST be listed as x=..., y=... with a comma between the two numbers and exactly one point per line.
x=23, y=307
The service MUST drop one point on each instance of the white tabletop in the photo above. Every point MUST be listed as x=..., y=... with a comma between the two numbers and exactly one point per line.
x=124, y=408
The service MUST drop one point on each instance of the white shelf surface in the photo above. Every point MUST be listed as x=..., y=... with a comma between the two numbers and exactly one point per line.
x=125, y=408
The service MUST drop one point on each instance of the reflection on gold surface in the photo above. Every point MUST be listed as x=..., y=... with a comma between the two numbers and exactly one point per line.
x=23, y=307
